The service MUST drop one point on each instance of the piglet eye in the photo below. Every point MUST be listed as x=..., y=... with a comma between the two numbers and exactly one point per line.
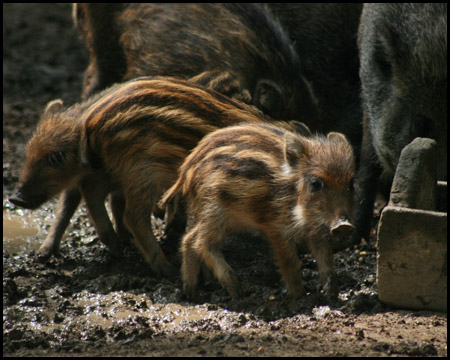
x=55, y=159
x=315, y=184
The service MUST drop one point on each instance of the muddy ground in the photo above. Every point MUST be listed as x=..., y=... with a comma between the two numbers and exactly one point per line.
x=84, y=302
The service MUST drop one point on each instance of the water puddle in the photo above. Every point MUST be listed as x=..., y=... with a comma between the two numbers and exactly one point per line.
x=118, y=307
x=18, y=231
x=180, y=313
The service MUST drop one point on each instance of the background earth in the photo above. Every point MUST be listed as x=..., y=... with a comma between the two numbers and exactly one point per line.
x=85, y=303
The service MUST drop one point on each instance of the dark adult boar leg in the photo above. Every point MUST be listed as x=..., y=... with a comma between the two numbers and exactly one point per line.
x=95, y=193
x=96, y=22
x=68, y=203
x=367, y=186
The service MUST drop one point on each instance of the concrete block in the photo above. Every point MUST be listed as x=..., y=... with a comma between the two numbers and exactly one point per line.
x=412, y=233
x=412, y=258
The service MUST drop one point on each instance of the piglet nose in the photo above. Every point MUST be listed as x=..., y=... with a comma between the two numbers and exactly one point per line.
x=342, y=228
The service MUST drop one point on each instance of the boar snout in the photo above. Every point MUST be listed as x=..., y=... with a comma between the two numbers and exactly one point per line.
x=342, y=228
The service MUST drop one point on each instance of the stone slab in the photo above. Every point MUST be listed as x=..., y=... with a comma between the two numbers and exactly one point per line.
x=412, y=259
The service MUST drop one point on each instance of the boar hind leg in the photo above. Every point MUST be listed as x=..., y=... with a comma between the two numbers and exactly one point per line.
x=148, y=246
x=190, y=267
x=224, y=273
x=94, y=194
x=207, y=241
x=68, y=203
x=137, y=219
x=290, y=266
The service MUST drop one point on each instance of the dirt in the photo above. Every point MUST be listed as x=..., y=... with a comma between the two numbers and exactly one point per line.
x=85, y=303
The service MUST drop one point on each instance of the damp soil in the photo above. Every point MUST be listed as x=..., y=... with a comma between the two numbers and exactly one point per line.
x=84, y=302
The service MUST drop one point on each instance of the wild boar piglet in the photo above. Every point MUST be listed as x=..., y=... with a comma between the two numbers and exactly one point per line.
x=128, y=140
x=289, y=187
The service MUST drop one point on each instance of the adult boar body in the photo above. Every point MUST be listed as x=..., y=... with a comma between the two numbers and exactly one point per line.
x=325, y=38
x=184, y=40
x=403, y=52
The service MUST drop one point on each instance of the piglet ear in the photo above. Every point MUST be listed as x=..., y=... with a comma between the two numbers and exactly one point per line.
x=53, y=107
x=337, y=138
x=294, y=148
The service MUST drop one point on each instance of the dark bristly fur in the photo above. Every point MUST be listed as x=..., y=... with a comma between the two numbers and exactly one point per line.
x=403, y=52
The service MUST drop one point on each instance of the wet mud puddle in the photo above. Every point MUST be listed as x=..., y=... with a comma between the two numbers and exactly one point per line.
x=117, y=307
x=18, y=232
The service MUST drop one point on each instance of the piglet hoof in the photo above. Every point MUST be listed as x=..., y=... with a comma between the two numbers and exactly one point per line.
x=113, y=243
x=329, y=288
x=44, y=254
x=298, y=293
x=295, y=288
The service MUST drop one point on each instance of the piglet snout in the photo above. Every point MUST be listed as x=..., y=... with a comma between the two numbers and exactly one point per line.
x=342, y=228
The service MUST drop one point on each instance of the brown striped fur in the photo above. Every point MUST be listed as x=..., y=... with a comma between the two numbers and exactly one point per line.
x=262, y=177
x=128, y=141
